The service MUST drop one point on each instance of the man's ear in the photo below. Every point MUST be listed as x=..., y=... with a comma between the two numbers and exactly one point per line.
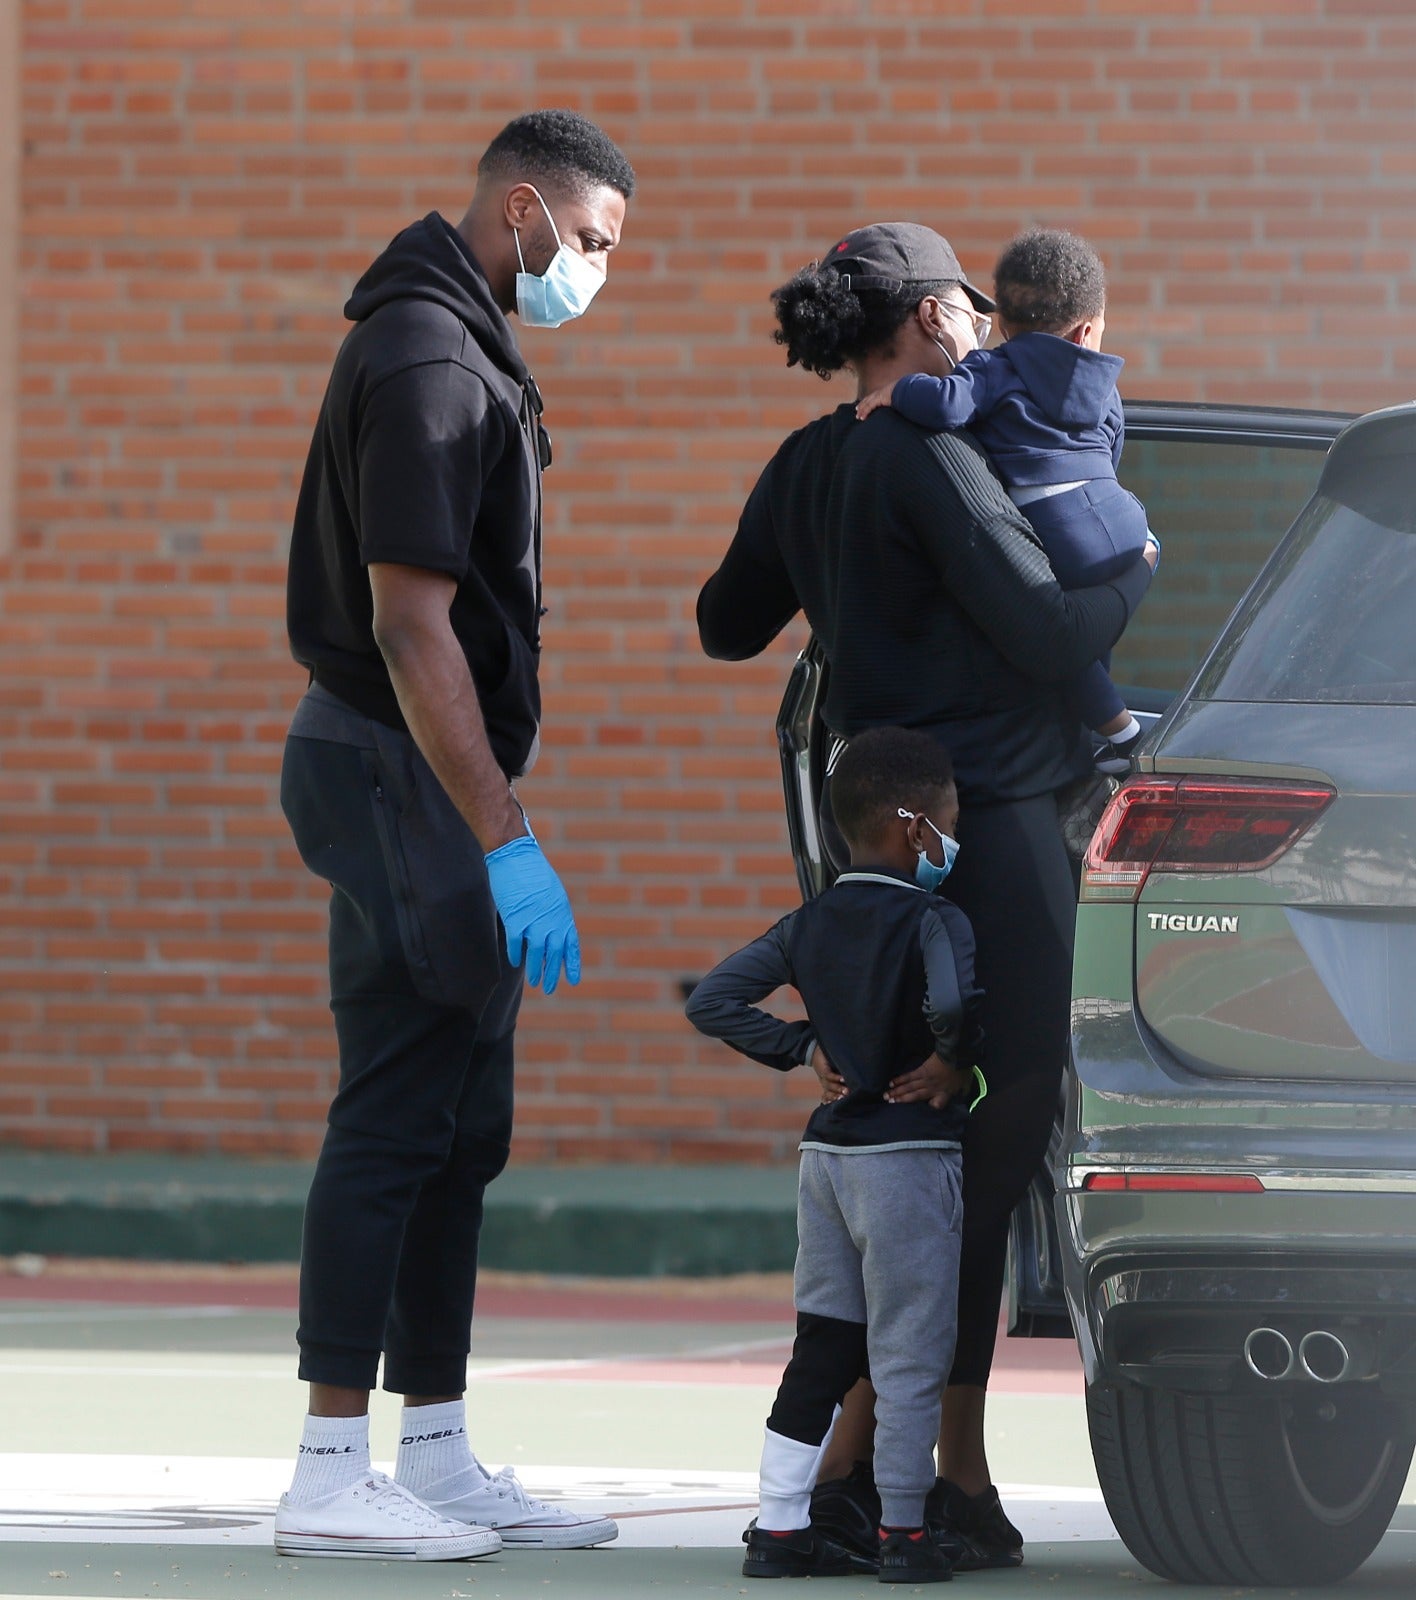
x=929, y=317
x=1078, y=335
x=518, y=204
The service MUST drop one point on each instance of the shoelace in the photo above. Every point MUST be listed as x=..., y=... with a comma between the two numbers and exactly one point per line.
x=393, y=1499
x=509, y=1486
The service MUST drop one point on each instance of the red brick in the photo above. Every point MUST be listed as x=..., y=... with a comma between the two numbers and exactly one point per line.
x=186, y=246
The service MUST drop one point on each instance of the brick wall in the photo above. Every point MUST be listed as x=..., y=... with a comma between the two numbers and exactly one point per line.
x=203, y=179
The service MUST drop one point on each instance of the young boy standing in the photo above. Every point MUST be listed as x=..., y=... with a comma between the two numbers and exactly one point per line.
x=1044, y=405
x=885, y=968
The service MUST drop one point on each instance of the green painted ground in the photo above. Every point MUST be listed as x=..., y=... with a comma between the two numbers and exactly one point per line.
x=178, y=1382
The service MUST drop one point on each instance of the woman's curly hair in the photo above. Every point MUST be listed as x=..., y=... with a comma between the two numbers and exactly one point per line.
x=825, y=325
x=1047, y=281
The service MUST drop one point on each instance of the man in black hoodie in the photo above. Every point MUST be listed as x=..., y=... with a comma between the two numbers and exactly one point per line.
x=414, y=599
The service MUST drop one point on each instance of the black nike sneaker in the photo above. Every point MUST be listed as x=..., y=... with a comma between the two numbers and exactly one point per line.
x=797, y=1553
x=847, y=1511
x=909, y=1555
x=971, y=1529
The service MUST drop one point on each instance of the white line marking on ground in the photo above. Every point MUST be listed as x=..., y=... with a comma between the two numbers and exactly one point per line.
x=719, y=1352
x=231, y=1501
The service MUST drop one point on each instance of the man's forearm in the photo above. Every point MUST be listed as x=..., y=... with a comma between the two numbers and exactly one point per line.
x=439, y=702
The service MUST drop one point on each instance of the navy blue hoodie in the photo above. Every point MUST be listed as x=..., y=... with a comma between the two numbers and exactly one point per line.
x=1045, y=409
x=427, y=453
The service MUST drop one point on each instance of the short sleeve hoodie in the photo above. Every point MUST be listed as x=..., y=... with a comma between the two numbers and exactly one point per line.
x=427, y=452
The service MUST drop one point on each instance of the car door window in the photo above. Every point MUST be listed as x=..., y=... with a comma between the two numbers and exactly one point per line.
x=1219, y=508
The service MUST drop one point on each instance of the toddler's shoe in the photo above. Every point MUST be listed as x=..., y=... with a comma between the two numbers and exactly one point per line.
x=972, y=1529
x=500, y=1501
x=379, y=1519
x=1114, y=756
x=797, y=1553
x=909, y=1555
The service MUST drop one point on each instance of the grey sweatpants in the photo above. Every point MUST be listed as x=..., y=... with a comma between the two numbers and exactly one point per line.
x=878, y=1243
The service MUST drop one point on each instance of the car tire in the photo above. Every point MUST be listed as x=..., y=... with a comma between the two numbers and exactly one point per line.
x=1294, y=1487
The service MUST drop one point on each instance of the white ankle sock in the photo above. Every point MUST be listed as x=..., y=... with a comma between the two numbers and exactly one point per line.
x=1130, y=731
x=334, y=1452
x=784, y=1482
x=433, y=1447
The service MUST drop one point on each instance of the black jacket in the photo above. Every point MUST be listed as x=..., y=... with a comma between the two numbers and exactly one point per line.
x=886, y=972
x=929, y=592
x=428, y=452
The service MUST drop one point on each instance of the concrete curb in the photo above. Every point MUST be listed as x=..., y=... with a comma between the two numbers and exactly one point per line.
x=623, y=1222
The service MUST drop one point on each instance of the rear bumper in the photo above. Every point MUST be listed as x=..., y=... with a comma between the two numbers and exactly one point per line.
x=1164, y=1286
x=1179, y=1316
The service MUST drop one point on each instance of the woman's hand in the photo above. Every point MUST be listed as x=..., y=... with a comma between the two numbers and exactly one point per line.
x=833, y=1085
x=873, y=401
x=933, y=1080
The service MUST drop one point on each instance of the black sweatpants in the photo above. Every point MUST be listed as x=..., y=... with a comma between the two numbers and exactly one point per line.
x=425, y=1008
x=1014, y=882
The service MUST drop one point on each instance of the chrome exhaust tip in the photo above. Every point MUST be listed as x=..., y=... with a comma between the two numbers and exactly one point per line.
x=1324, y=1357
x=1268, y=1354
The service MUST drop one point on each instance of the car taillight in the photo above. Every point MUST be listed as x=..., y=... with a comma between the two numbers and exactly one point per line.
x=1194, y=824
x=1172, y=1183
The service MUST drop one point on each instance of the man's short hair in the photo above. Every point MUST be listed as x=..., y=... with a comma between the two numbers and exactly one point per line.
x=559, y=148
x=881, y=770
x=1048, y=281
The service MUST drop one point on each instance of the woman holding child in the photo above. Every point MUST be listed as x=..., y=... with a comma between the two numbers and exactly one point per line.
x=937, y=610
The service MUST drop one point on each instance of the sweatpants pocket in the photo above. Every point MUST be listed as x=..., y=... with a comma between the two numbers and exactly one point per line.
x=440, y=879
x=410, y=932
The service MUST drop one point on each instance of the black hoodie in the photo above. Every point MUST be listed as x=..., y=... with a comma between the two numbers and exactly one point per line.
x=428, y=452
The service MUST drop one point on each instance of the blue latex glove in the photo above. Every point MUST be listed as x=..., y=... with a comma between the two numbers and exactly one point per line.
x=535, y=911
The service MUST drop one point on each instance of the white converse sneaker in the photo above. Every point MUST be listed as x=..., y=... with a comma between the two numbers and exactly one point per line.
x=377, y=1517
x=524, y=1523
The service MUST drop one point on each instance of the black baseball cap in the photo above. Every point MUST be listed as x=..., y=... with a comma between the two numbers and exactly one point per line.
x=887, y=255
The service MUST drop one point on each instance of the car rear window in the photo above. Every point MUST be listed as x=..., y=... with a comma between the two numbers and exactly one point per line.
x=1331, y=619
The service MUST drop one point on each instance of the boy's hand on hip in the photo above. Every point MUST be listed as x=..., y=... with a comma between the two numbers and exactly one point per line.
x=535, y=912
x=933, y=1080
x=833, y=1085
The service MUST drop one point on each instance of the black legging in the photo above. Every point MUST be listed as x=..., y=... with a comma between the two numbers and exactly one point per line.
x=1014, y=882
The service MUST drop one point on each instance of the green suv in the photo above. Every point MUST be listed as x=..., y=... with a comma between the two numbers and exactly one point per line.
x=1228, y=1218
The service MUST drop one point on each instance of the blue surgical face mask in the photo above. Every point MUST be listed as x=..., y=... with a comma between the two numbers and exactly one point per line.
x=927, y=875
x=562, y=291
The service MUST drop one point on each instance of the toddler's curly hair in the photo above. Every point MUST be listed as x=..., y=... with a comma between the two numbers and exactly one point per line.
x=1048, y=280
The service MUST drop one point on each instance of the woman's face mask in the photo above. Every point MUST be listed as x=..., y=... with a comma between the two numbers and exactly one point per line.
x=562, y=291
x=978, y=329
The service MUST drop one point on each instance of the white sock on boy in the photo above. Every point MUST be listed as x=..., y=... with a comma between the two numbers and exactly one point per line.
x=785, y=1480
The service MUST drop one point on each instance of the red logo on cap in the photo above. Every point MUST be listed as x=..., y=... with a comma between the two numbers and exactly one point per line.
x=840, y=246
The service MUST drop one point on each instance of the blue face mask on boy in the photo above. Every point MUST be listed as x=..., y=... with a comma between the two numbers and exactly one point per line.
x=927, y=875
